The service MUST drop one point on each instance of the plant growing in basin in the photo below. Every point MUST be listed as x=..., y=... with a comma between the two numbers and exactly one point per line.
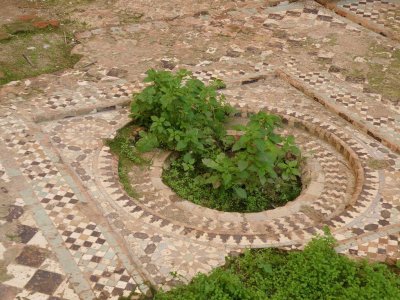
x=255, y=170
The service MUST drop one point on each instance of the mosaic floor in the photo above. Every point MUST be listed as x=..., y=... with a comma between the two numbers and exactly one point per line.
x=69, y=231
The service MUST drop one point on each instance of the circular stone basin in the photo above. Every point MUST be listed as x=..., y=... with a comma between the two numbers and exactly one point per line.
x=311, y=178
x=332, y=176
x=313, y=188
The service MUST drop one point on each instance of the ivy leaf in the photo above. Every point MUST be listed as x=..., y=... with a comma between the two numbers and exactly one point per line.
x=210, y=163
x=241, y=192
x=242, y=165
x=147, y=142
x=182, y=144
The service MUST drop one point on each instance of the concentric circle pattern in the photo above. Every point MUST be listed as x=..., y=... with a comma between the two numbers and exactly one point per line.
x=340, y=190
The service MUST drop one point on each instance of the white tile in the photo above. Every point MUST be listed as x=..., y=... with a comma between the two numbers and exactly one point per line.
x=21, y=275
x=2, y=250
x=65, y=291
x=38, y=240
x=52, y=266
x=25, y=294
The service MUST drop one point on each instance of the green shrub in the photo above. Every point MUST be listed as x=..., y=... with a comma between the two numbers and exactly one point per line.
x=180, y=113
x=318, y=272
x=256, y=158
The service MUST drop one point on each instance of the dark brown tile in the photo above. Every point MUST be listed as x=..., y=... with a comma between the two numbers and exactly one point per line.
x=32, y=256
x=44, y=282
x=8, y=292
x=26, y=233
x=14, y=213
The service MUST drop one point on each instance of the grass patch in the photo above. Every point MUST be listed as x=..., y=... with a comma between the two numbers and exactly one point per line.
x=381, y=71
x=122, y=145
x=184, y=183
x=384, y=79
x=45, y=49
x=318, y=272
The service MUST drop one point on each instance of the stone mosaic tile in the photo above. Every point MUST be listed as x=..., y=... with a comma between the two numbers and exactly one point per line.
x=376, y=119
x=381, y=12
x=60, y=202
x=68, y=132
x=382, y=249
x=359, y=199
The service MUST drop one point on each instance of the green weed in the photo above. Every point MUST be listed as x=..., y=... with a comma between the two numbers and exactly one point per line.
x=316, y=273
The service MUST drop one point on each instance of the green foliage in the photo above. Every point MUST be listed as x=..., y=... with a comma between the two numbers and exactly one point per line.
x=186, y=184
x=123, y=146
x=259, y=156
x=180, y=113
x=318, y=272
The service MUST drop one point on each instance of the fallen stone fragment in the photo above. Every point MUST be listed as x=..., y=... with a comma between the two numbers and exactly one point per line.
x=115, y=72
x=167, y=63
x=41, y=24
x=325, y=55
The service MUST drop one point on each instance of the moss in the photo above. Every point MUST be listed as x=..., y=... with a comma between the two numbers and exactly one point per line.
x=127, y=17
x=378, y=164
x=380, y=73
x=121, y=145
x=45, y=49
x=385, y=79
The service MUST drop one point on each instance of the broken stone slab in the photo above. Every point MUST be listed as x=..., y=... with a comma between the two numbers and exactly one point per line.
x=325, y=55
x=115, y=72
x=168, y=63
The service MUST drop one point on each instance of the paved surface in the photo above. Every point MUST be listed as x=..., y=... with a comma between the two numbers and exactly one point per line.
x=69, y=231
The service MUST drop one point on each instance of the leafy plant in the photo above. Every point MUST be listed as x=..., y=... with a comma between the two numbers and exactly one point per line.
x=318, y=272
x=259, y=156
x=180, y=113
x=257, y=170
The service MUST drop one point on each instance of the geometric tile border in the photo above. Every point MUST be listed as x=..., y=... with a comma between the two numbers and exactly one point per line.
x=381, y=123
x=88, y=247
x=363, y=197
x=381, y=16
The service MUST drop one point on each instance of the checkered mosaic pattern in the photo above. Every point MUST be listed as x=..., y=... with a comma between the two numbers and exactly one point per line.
x=62, y=101
x=160, y=236
x=382, y=12
x=209, y=76
x=87, y=245
x=296, y=226
x=382, y=120
x=382, y=249
x=34, y=272
x=310, y=16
